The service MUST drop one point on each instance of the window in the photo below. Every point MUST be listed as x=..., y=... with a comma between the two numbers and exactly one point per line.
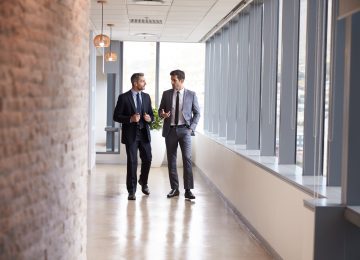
x=301, y=84
x=327, y=86
x=140, y=57
x=278, y=88
x=188, y=57
x=101, y=103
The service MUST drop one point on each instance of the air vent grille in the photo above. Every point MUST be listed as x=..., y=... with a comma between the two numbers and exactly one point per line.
x=149, y=1
x=146, y=21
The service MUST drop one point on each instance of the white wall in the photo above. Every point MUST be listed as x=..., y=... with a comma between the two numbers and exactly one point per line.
x=272, y=206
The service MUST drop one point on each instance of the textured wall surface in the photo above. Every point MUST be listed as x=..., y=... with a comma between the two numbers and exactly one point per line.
x=43, y=128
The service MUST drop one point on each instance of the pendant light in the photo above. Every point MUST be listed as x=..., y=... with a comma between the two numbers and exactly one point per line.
x=101, y=40
x=110, y=55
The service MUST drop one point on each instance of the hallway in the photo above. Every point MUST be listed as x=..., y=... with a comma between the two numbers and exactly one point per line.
x=155, y=227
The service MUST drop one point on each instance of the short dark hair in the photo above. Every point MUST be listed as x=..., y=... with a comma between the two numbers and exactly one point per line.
x=135, y=77
x=179, y=73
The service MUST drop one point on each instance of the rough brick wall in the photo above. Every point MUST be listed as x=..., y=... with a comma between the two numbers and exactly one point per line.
x=43, y=128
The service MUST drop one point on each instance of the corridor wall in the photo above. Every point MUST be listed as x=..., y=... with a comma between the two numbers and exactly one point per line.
x=44, y=66
x=272, y=208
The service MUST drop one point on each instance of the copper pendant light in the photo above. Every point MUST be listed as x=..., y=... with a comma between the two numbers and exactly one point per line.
x=101, y=40
x=110, y=55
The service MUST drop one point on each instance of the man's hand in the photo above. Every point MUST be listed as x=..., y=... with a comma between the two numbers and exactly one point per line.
x=135, y=118
x=164, y=114
x=147, y=118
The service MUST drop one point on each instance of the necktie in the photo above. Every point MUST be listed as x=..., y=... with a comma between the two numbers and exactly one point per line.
x=138, y=103
x=177, y=108
x=138, y=110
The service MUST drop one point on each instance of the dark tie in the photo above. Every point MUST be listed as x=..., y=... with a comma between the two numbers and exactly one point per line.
x=138, y=103
x=138, y=110
x=177, y=108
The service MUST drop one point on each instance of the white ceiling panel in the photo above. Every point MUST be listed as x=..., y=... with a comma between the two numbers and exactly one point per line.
x=177, y=3
x=142, y=9
x=149, y=2
x=95, y=12
x=182, y=8
x=148, y=29
x=182, y=20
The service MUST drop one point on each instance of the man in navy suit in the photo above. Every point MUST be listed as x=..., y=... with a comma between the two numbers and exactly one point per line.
x=181, y=112
x=134, y=111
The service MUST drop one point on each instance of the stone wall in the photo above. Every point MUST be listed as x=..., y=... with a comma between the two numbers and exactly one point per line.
x=43, y=128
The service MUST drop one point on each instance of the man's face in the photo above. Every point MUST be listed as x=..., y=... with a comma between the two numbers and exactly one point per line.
x=140, y=84
x=176, y=83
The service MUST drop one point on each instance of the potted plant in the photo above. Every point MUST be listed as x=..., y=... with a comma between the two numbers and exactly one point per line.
x=158, y=122
x=157, y=141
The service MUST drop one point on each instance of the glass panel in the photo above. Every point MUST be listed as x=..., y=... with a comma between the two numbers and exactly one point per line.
x=327, y=85
x=107, y=138
x=301, y=84
x=101, y=104
x=189, y=57
x=140, y=57
x=278, y=89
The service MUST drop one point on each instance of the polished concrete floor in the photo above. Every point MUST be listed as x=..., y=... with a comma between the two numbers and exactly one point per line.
x=154, y=227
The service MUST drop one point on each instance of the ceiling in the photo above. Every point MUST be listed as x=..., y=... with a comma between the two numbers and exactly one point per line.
x=160, y=20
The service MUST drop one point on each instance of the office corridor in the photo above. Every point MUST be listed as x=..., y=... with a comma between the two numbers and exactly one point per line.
x=155, y=227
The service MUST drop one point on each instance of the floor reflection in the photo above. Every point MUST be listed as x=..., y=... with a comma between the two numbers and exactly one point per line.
x=155, y=227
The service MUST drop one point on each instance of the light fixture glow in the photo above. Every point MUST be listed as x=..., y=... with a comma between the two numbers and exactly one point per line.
x=110, y=55
x=101, y=40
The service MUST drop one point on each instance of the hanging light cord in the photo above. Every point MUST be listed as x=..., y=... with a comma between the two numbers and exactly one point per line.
x=110, y=38
x=102, y=17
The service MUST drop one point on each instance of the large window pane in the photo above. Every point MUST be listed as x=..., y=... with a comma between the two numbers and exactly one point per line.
x=101, y=103
x=301, y=84
x=189, y=57
x=278, y=88
x=140, y=57
x=327, y=86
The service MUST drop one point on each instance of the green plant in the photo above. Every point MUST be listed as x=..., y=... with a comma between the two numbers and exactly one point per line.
x=158, y=122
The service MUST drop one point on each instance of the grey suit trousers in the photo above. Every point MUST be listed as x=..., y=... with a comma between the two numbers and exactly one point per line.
x=181, y=136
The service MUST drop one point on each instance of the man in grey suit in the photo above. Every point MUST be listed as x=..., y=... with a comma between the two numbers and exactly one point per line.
x=180, y=109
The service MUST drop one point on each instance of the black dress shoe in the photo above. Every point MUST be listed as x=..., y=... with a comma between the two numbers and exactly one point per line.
x=144, y=188
x=131, y=196
x=189, y=195
x=173, y=193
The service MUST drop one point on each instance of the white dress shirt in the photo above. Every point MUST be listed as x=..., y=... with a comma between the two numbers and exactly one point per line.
x=181, y=117
x=134, y=93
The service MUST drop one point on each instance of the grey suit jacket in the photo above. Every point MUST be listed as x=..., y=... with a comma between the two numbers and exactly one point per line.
x=190, y=109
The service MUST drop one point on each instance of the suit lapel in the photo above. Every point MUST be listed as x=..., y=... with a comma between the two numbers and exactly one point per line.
x=131, y=100
x=184, y=99
x=144, y=102
x=171, y=98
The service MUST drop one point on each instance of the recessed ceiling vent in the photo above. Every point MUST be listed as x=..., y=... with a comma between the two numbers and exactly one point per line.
x=149, y=2
x=146, y=21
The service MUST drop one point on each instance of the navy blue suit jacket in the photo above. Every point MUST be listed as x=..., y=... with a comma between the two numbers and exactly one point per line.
x=125, y=108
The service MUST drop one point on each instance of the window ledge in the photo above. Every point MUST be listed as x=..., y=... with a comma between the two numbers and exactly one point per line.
x=291, y=173
x=352, y=214
x=322, y=202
